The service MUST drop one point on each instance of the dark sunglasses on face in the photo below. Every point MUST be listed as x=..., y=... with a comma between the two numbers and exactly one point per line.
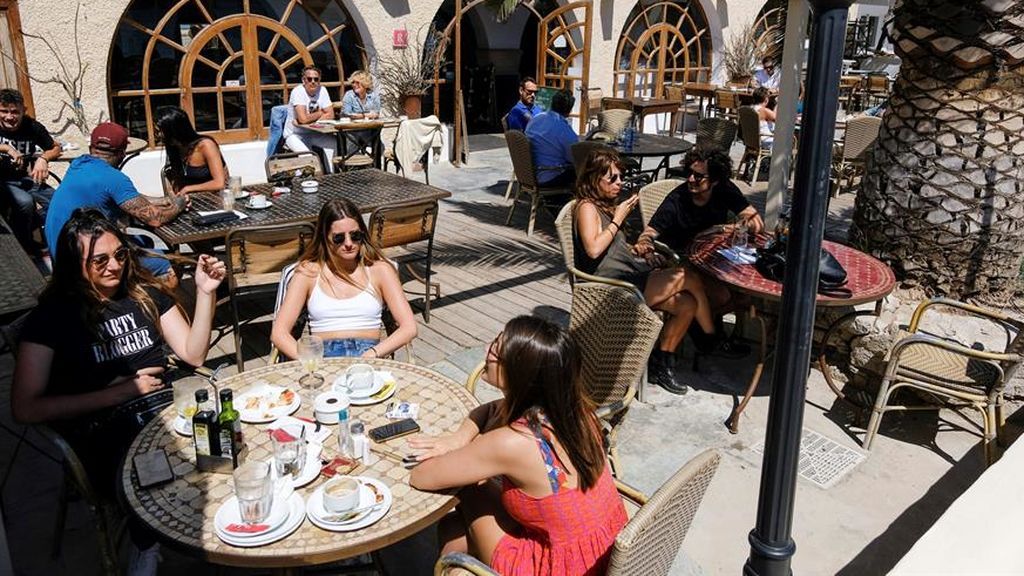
x=493, y=349
x=100, y=262
x=697, y=176
x=529, y=91
x=356, y=236
x=613, y=178
x=311, y=78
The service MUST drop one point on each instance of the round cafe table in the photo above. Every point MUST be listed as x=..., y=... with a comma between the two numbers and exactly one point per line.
x=181, y=512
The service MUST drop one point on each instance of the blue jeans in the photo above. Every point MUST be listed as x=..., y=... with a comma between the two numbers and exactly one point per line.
x=155, y=264
x=347, y=347
x=21, y=196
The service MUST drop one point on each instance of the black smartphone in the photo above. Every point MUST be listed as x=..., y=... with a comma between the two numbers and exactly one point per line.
x=394, y=430
x=152, y=468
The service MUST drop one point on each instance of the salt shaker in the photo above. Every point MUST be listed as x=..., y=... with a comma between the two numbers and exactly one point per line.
x=361, y=443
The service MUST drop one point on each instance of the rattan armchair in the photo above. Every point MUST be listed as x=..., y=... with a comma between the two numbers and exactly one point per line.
x=753, y=151
x=650, y=541
x=400, y=225
x=521, y=151
x=285, y=164
x=611, y=123
x=954, y=373
x=848, y=158
x=615, y=331
x=564, y=227
x=652, y=195
x=256, y=255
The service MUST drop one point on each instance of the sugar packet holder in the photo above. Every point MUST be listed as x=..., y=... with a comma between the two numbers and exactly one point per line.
x=402, y=410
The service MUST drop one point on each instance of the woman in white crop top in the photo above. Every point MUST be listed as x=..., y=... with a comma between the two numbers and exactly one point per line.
x=344, y=282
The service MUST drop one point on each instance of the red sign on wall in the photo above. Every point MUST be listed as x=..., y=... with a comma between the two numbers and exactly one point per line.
x=400, y=38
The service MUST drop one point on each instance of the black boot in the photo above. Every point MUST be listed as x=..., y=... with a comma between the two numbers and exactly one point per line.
x=661, y=370
x=716, y=344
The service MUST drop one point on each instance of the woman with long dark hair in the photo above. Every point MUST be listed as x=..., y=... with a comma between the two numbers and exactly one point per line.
x=344, y=282
x=601, y=248
x=194, y=161
x=556, y=510
x=100, y=337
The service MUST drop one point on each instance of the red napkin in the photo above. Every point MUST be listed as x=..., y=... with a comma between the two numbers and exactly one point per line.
x=247, y=528
x=282, y=435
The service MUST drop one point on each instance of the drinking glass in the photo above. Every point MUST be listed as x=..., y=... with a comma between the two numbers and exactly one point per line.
x=289, y=450
x=235, y=185
x=311, y=351
x=227, y=199
x=185, y=395
x=739, y=237
x=254, y=491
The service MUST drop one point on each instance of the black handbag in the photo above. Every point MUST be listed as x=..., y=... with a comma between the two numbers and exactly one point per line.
x=771, y=263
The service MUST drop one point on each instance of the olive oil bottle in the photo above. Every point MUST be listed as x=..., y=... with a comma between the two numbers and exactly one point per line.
x=204, y=426
x=230, y=427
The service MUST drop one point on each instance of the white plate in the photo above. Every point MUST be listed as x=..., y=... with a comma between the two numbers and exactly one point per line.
x=315, y=507
x=311, y=468
x=182, y=426
x=228, y=514
x=388, y=391
x=341, y=385
x=252, y=206
x=241, y=195
x=296, y=514
x=261, y=412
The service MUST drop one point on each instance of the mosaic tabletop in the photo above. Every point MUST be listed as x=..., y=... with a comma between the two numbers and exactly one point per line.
x=368, y=189
x=868, y=279
x=20, y=280
x=182, y=512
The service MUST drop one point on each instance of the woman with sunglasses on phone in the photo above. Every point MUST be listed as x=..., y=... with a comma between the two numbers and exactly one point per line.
x=555, y=509
x=100, y=337
x=601, y=249
x=344, y=282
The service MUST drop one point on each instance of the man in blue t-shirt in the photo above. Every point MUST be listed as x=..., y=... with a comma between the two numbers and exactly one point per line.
x=94, y=181
x=524, y=110
x=551, y=138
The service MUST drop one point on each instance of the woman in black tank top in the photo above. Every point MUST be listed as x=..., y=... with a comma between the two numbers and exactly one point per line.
x=194, y=162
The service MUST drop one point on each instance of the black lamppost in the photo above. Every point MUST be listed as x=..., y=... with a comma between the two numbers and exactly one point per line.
x=771, y=544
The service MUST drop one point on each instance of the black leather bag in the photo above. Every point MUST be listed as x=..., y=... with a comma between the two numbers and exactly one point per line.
x=771, y=263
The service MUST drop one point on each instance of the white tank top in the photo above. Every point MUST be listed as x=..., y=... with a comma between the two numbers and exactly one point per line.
x=330, y=314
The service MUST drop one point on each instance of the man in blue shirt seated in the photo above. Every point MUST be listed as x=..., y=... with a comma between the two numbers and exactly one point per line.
x=93, y=181
x=551, y=138
x=524, y=110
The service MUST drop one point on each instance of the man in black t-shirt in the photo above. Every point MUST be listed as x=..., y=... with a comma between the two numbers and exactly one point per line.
x=26, y=150
x=704, y=201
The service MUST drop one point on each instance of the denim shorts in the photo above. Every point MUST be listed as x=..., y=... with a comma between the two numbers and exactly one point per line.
x=347, y=347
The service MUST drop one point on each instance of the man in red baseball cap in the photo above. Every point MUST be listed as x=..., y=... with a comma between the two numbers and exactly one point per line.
x=94, y=180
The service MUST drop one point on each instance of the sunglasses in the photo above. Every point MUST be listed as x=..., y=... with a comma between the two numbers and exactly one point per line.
x=529, y=91
x=356, y=236
x=311, y=78
x=697, y=176
x=493, y=349
x=100, y=262
x=612, y=179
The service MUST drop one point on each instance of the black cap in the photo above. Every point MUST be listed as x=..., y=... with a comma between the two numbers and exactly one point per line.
x=225, y=395
x=202, y=395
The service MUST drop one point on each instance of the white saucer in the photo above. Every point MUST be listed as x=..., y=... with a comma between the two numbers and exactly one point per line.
x=241, y=195
x=296, y=508
x=341, y=385
x=389, y=390
x=316, y=512
x=253, y=207
x=228, y=514
x=182, y=426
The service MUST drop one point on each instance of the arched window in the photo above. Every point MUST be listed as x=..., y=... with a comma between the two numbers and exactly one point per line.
x=226, y=62
x=770, y=29
x=662, y=43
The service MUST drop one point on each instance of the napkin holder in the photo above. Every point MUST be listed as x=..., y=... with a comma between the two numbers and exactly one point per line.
x=221, y=464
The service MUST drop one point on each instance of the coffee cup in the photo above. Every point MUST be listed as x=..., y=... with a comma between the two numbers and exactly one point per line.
x=341, y=494
x=310, y=186
x=258, y=201
x=359, y=376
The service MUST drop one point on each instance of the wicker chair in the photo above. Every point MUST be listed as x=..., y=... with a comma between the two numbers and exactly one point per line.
x=727, y=102
x=593, y=105
x=611, y=123
x=960, y=375
x=875, y=89
x=404, y=224
x=652, y=195
x=609, y=103
x=848, y=158
x=285, y=164
x=678, y=93
x=650, y=541
x=615, y=332
x=564, y=226
x=256, y=255
x=512, y=180
x=753, y=151
x=716, y=134
x=526, y=175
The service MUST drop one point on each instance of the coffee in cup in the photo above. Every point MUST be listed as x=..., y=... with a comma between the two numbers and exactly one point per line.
x=341, y=494
x=258, y=201
x=359, y=376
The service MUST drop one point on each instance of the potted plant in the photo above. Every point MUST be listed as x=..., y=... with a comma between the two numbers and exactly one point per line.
x=405, y=74
x=741, y=56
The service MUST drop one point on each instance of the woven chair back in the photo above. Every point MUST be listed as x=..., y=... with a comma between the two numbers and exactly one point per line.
x=652, y=195
x=861, y=133
x=674, y=93
x=522, y=158
x=727, y=99
x=648, y=544
x=563, y=225
x=615, y=332
x=613, y=122
x=616, y=104
x=504, y=123
x=582, y=150
x=876, y=83
x=715, y=134
x=750, y=128
x=594, y=97
x=289, y=162
x=257, y=254
x=402, y=224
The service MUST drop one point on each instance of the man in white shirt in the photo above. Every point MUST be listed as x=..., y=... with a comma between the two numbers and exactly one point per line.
x=768, y=76
x=307, y=104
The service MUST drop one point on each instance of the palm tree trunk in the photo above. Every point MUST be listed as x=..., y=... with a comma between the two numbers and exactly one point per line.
x=943, y=197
